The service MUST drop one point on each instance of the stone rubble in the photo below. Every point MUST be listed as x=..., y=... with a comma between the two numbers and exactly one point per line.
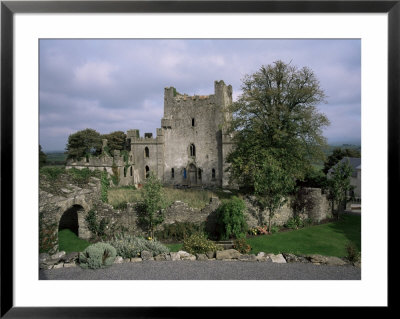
x=63, y=260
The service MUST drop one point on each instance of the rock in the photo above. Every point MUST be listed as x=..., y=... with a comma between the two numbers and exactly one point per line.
x=201, y=257
x=160, y=257
x=251, y=257
x=261, y=256
x=57, y=266
x=279, y=259
x=51, y=261
x=118, y=260
x=127, y=260
x=357, y=264
x=146, y=255
x=326, y=260
x=136, y=259
x=45, y=266
x=290, y=258
x=69, y=258
x=66, y=191
x=69, y=265
x=43, y=257
x=227, y=254
x=210, y=254
x=335, y=261
x=183, y=253
x=58, y=255
x=190, y=257
x=175, y=256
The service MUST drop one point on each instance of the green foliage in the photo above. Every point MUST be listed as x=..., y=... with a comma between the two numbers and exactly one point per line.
x=353, y=254
x=99, y=255
x=128, y=246
x=242, y=246
x=231, y=222
x=52, y=173
x=339, y=184
x=42, y=157
x=337, y=155
x=97, y=228
x=314, y=178
x=105, y=184
x=178, y=231
x=81, y=176
x=121, y=205
x=294, y=223
x=198, y=244
x=274, y=229
x=150, y=208
x=115, y=141
x=83, y=144
x=115, y=175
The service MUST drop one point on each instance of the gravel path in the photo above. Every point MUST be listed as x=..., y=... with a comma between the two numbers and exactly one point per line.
x=206, y=270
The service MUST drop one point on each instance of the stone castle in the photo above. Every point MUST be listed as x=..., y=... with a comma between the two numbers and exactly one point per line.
x=190, y=148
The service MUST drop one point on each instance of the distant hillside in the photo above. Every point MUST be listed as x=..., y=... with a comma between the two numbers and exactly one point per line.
x=56, y=158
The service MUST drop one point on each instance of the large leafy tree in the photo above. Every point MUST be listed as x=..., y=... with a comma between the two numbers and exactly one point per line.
x=83, y=143
x=115, y=140
x=337, y=155
x=277, y=131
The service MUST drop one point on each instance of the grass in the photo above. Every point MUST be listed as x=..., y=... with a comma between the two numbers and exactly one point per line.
x=69, y=242
x=195, y=198
x=329, y=239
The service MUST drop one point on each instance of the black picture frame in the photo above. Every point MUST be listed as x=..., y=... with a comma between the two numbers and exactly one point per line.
x=9, y=8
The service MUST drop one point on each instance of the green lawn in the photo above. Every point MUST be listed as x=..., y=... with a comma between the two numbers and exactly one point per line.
x=69, y=242
x=328, y=239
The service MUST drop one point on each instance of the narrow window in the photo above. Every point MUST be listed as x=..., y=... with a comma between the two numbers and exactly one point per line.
x=124, y=171
x=131, y=171
x=192, y=150
x=146, y=152
x=213, y=173
x=147, y=171
x=192, y=121
x=184, y=173
x=199, y=173
x=172, y=173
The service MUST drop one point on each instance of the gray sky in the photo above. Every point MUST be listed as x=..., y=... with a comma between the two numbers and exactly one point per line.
x=112, y=85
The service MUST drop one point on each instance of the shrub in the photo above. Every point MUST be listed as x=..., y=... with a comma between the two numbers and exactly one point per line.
x=294, y=223
x=353, y=255
x=198, y=244
x=105, y=183
x=274, y=229
x=242, y=246
x=99, y=255
x=52, y=173
x=121, y=205
x=97, y=229
x=231, y=222
x=178, y=231
x=128, y=246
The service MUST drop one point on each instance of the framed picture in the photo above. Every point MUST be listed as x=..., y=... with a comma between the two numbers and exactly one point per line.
x=24, y=24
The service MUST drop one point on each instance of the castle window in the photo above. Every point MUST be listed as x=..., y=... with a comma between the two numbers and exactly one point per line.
x=124, y=171
x=147, y=171
x=199, y=173
x=131, y=171
x=213, y=173
x=192, y=150
x=146, y=152
x=172, y=173
x=184, y=173
x=192, y=121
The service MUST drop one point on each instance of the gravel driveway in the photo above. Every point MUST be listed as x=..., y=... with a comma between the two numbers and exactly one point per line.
x=206, y=270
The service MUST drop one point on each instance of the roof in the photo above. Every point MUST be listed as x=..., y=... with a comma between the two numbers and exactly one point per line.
x=354, y=162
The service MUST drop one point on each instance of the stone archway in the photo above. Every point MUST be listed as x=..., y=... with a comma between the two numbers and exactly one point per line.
x=192, y=175
x=69, y=219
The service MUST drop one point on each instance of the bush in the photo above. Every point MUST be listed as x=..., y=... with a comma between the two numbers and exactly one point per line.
x=198, y=244
x=353, y=255
x=294, y=223
x=274, y=229
x=99, y=255
x=97, y=229
x=242, y=246
x=178, y=231
x=128, y=246
x=231, y=222
x=52, y=173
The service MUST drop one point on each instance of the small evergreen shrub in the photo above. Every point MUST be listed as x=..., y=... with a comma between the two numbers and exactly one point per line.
x=353, y=255
x=231, y=222
x=274, y=229
x=99, y=255
x=128, y=246
x=294, y=223
x=242, y=246
x=178, y=231
x=104, y=187
x=198, y=244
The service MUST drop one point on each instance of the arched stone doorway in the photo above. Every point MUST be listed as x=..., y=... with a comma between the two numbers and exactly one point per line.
x=69, y=219
x=192, y=175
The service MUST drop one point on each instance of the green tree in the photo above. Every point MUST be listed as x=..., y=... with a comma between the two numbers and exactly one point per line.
x=115, y=141
x=231, y=222
x=150, y=208
x=337, y=155
x=83, y=144
x=277, y=131
x=339, y=184
x=42, y=157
